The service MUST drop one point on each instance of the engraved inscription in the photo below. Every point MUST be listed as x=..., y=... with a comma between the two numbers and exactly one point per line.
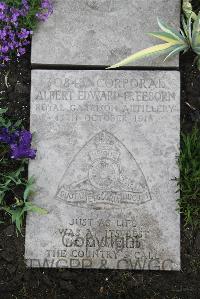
x=111, y=100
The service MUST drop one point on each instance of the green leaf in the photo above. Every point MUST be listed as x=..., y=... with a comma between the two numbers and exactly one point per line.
x=189, y=25
x=187, y=9
x=189, y=181
x=162, y=48
x=33, y=208
x=176, y=41
x=165, y=37
x=1, y=197
x=198, y=63
x=176, y=50
x=185, y=26
x=196, y=35
x=2, y=110
x=163, y=26
x=16, y=181
x=28, y=191
x=16, y=217
x=18, y=123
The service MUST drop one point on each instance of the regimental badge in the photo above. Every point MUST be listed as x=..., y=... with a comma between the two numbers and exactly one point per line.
x=103, y=174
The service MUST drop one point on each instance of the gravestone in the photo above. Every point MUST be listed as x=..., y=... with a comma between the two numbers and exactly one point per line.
x=107, y=143
x=102, y=32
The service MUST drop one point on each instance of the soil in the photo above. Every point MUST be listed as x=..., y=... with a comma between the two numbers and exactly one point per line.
x=18, y=282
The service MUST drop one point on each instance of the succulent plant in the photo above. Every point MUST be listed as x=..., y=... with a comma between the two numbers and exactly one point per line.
x=176, y=41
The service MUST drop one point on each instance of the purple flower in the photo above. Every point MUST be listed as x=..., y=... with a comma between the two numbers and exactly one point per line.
x=19, y=143
x=23, y=149
x=4, y=49
x=25, y=7
x=24, y=33
x=2, y=6
x=21, y=51
x=13, y=38
x=7, y=137
x=46, y=10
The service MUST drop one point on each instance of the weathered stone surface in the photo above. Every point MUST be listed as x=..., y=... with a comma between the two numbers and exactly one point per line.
x=107, y=143
x=102, y=32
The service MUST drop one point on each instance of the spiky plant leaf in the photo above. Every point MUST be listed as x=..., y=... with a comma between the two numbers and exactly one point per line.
x=187, y=9
x=176, y=42
x=162, y=48
x=176, y=51
x=187, y=28
x=164, y=27
x=164, y=36
x=196, y=36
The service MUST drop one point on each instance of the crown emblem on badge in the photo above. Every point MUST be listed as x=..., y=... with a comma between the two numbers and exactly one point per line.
x=104, y=148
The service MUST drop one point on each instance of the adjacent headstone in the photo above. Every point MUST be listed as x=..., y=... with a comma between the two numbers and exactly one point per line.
x=102, y=32
x=107, y=143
